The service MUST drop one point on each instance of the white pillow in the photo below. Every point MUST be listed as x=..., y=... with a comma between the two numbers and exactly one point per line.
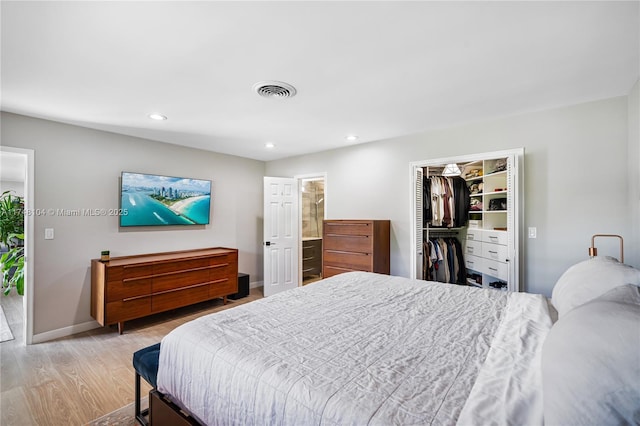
x=591, y=363
x=589, y=279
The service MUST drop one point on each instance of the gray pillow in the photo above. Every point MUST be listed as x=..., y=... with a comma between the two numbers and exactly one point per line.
x=591, y=362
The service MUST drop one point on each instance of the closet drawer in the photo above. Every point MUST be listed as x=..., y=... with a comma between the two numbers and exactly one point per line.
x=474, y=262
x=494, y=252
x=473, y=248
x=474, y=235
x=495, y=269
x=495, y=237
x=354, y=243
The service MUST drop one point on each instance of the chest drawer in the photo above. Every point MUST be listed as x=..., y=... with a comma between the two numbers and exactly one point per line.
x=348, y=260
x=348, y=228
x=354, y=243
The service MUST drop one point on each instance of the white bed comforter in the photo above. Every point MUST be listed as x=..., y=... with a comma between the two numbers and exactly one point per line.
x=363, y=348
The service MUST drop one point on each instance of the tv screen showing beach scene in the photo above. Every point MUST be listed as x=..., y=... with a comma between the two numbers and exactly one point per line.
x=153, y=200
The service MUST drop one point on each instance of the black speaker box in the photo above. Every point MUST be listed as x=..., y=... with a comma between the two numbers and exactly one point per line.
x=243, y=287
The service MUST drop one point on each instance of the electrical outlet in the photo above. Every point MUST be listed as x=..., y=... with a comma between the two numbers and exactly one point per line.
x=48, y=233
x=533, y=232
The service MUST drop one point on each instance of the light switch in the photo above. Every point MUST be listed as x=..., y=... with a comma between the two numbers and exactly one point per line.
x=48, y=233
x=533, y=232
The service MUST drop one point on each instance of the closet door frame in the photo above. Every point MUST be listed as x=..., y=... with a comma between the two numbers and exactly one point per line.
x=515, y=193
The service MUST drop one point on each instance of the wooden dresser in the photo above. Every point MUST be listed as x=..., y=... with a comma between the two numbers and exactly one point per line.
x=129, y=287
x=355, y=245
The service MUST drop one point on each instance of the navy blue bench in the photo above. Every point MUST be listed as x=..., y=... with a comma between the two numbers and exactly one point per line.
x=145, y=362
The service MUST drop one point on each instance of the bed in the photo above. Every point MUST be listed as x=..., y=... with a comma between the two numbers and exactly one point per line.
x=362, y=348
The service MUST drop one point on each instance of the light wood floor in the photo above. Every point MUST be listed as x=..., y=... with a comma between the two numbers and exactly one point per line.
x=73, y=380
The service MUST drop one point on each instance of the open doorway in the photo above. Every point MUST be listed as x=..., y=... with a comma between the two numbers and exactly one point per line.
x=17, y=176
x=312, y=214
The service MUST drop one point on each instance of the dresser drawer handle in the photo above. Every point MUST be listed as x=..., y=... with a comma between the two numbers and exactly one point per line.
x=493, y=269
x=493, y=252
x=347, y=236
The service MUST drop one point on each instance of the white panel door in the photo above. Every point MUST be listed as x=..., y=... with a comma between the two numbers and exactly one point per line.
x=280, y=234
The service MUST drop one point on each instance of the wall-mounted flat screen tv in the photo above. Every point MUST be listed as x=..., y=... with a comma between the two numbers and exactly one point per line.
x=154, y=200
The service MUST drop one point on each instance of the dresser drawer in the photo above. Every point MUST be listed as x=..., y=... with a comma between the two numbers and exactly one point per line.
x=120, y=273
x=221, y=270
x=473, y=248
x=495, y=237
x=351, y=243
x=180, y=265
x=494, y=252
x=496, y=269
x=179, y=279
x=348, y=228
x=222, y=287
x=128, y=288
x=473, y=262
x=177, y=298
x=122, y=310
x=220, y=260
x=348, y=260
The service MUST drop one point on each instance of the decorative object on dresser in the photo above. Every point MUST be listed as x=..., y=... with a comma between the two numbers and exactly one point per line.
x=355, y=245
x=130, y=287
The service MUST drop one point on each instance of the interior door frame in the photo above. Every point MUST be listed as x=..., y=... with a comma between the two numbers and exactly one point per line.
x=29, y=246
x=300, y=178
x=518, y=194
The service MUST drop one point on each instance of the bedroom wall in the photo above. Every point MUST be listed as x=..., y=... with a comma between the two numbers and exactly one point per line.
x=78, y=168
x=632, y=245
x=575, y=180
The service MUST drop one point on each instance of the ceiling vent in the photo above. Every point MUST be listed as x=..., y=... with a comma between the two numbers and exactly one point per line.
x=274, y=89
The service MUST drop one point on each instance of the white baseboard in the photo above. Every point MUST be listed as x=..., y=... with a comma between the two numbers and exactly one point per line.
x=64, y=332
x=256, y=284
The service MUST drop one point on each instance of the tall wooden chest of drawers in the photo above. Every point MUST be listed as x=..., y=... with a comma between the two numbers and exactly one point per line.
x=355, y=245
x=129, y=287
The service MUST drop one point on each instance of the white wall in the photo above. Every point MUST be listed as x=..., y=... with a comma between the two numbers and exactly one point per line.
x=575, y=180
x=632, y=244
x=79, y=168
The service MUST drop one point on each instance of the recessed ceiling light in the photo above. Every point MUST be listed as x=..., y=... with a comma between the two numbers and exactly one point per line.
x=352, y=138
x=269, y=145
x=158, y=117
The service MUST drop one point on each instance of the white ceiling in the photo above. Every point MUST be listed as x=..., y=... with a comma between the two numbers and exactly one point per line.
x=375, y=69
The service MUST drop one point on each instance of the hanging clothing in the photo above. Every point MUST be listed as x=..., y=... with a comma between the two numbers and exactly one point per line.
x=446, y=201
x=443, y=261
